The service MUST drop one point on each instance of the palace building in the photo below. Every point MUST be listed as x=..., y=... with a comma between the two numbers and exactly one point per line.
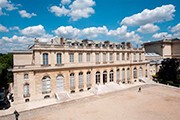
x=74, y=65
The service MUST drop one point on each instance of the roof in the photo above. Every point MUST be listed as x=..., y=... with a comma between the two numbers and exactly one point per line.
x=152, y=55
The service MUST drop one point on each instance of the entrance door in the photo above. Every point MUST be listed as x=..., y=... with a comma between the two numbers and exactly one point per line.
x=59, y=83
x=104, y=77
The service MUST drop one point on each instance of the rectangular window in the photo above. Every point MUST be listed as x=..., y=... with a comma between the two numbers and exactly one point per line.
x=127, y=56
x=80, y=57
x=71, y=57
x=97, y=57
x=88, y=57
x=45, y=59
x=59, y=58
x=139, y=56
x=104, y=57
x=80, y=79
x=25, y=76
x=122, y=56
x=88, y=78
x=72, y=82
x=117, y=56
x=134, y=56
x=26, y=90
x=110, y=57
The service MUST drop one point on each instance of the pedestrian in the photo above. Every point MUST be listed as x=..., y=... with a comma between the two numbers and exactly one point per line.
x=139, y=89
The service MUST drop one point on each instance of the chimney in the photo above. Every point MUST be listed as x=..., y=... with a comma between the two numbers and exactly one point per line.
x=62, y=41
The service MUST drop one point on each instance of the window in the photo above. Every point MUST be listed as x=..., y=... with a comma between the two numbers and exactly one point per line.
x=117, y=56
x=128, y=74
x=46, y=84
x=104, y=77
x=135, y=73
x=59, y=83
x=97, y=57
x=72, y=83
x=88, y=78
x=127, y=56
x=59, y=58
x=71, y=57
x=45, y=59
x=139, y=56
x=122, y=56
x=110, y=57
x=88, y=57
x=26, y=90
x=118, y=75
x=80, y=57
x=97, y=77
x=140, y=72
x=104, y=57
x=123, y=74
x=134, y=56
x=146, y=73
x=80, y=79
x=111, y=76
x=25, y=76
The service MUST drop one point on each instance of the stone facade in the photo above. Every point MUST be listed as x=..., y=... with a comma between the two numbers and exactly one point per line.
x=120, y=62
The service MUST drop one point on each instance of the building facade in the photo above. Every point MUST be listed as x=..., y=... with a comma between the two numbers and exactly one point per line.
x=158, y=50
x=74, y=66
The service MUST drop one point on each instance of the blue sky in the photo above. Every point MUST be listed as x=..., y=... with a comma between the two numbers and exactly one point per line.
x=136, y=21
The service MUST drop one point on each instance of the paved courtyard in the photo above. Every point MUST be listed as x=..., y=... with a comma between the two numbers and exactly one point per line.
x=152, y=103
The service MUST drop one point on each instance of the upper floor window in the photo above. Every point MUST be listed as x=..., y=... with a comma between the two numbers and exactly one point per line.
x=80, y=57
x=123, y=56
x=127, y=56
x=104, y=57
x=97, y=57
x=26, y=76
x=45, y=58
x=59, y=57
x=134, y=56
x=88, y=57
x=71, y=57
x=139, y=56
x=110, y=57
x=117, y=56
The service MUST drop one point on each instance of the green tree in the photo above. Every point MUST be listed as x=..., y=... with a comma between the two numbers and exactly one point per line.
x=169, y=70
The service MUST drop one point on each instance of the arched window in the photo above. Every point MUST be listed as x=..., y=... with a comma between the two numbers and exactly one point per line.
x=59, y=57
x=104, y=77
x=46, y=84
x=97, y=77
x=45, y=58
x=140, y=72
x=128, y=76
x=111, y=76
x=26, y=90
x=88, y=78
x=123, y=74
x=135, y=73
x=59, y=83
x=72, y=82
x=80, y=79
x=118, y=75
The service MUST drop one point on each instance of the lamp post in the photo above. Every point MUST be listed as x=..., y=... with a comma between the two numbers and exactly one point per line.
x=16, y=114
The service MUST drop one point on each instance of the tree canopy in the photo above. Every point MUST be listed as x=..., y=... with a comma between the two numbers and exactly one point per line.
x=169, y=70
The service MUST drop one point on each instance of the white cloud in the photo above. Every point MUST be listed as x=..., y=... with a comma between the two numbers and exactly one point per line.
x=148, y=28
x=159, y=14
x=176, y=28
x=77, y=10
x=33, y=31
x=93, y=32
x=162, y=35
x=3, y=28
x=67, y=31
x=7, y=5
x=14, y=28
x=24, y=14
x=59, y=11
x=65, y=2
